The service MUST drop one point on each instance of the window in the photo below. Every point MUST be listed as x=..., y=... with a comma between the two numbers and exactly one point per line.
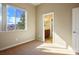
x=0, y=17
x=20, y=19
x=15, y=18
x=12, y=18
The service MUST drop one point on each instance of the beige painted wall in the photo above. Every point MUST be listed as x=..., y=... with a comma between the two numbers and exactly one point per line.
x=63, y=20
x=8, y=39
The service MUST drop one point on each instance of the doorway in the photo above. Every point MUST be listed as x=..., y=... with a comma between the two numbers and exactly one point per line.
x=48, y=28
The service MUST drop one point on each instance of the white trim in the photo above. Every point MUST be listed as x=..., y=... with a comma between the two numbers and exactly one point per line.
x=50, y=25
x=15, y=44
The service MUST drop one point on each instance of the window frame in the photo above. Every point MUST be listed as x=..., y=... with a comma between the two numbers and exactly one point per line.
x=15, y=19
x=1, y=18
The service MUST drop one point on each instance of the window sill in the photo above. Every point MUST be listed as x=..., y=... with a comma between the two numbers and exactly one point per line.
x=15, y=31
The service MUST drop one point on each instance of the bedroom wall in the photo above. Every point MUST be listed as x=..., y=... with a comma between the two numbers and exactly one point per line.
x=9, y=39
x=62, y=18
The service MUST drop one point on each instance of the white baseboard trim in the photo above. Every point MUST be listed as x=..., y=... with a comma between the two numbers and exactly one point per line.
x=16, y=44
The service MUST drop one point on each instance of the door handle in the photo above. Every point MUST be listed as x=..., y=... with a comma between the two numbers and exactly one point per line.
x=74, y=31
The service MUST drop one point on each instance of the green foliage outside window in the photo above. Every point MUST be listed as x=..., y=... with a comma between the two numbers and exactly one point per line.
x=21, y=24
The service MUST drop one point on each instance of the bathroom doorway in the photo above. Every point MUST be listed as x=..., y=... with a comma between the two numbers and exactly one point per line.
x=48, y=28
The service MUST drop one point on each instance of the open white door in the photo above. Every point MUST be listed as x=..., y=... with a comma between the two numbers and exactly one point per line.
x=75, y=29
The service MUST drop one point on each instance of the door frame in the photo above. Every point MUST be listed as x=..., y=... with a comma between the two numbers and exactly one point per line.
x=50, y=25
